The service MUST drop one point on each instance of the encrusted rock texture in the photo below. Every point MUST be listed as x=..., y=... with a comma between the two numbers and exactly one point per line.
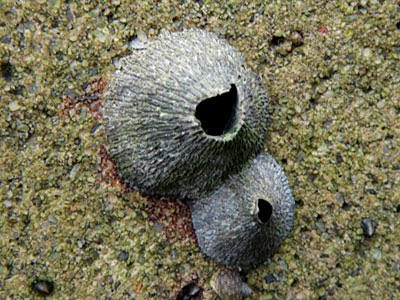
x=331, y=69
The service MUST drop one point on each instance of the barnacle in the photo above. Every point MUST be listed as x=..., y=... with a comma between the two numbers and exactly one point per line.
x=186, y=118
x=242, y=222
x=184, y=114
x=229, y=286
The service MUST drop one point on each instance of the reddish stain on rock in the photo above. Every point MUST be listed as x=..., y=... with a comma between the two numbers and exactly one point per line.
x=108, y=172
x=175, y=217
x=91, y=99
x=323, y=29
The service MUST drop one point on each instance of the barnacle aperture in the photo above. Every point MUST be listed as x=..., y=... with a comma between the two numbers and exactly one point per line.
x=242, y=222
x=183, y=115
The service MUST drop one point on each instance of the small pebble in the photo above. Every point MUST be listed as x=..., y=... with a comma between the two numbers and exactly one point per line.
x=368, y=226
x=43, y=287
x=70, y=94
x=123, y=256
x=190, y=291
x=139, y=42
x=158, y=227
x=7, y=71
x=100, y=36
x=381, y=103
x=396, y=267
x=297, y=39
x=95, y=128
x=7, y=203
x=270, y=278
x=74, y=171
x=116, y=61
x=367, y=52
x=14, y=106
x=229, y=286
x=376, y=254
x=6, y=39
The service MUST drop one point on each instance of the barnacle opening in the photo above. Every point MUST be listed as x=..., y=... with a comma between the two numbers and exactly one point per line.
x=264, y=211
x=219, y=114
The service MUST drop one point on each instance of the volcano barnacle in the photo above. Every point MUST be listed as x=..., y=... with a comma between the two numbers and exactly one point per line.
x=183, y=115
x=242, y=222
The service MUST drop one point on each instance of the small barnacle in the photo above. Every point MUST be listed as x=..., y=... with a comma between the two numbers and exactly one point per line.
x=368, y=226
x=43, y=287
x=183, y=114
x=229, y=286
x=242, y=222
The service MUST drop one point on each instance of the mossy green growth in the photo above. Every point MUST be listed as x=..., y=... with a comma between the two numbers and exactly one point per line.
x=334, y=129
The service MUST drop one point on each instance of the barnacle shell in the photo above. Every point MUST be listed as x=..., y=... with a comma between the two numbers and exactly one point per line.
x=242, y=222
x=229, y=286
x=184, y=114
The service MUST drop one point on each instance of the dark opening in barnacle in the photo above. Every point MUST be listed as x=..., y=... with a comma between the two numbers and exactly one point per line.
x=219, y=114
x=264, y=211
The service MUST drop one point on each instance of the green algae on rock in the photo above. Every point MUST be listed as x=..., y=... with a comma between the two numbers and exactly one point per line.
x=184, y=114
x=242, y=222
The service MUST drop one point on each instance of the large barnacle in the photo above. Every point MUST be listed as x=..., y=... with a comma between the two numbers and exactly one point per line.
x=184, y=114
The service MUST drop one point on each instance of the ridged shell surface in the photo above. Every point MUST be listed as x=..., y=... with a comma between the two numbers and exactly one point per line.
x=229, y=286
x=183, y=115
x=242, y=222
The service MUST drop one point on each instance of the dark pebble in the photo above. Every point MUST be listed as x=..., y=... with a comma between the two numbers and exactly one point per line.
x=398, y=208
x=271, y=278
x=7, y=70
x=6, y=39
x=368, y=226
x=396, y=267
x=116, y=61
x=346, y=205
x=277, y=40
x=339, y=158
x=43, y=287
x=70, y=94
x=94, y=129
x=85, y=85
x=123, y=256
x=190, y=291
x=70, y=15
x=328, y=122
x=93, y=71
x=92, y=97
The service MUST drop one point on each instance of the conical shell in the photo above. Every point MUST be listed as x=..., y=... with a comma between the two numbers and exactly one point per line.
x=242, y=222
x=229, y=286
x=184, y=114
